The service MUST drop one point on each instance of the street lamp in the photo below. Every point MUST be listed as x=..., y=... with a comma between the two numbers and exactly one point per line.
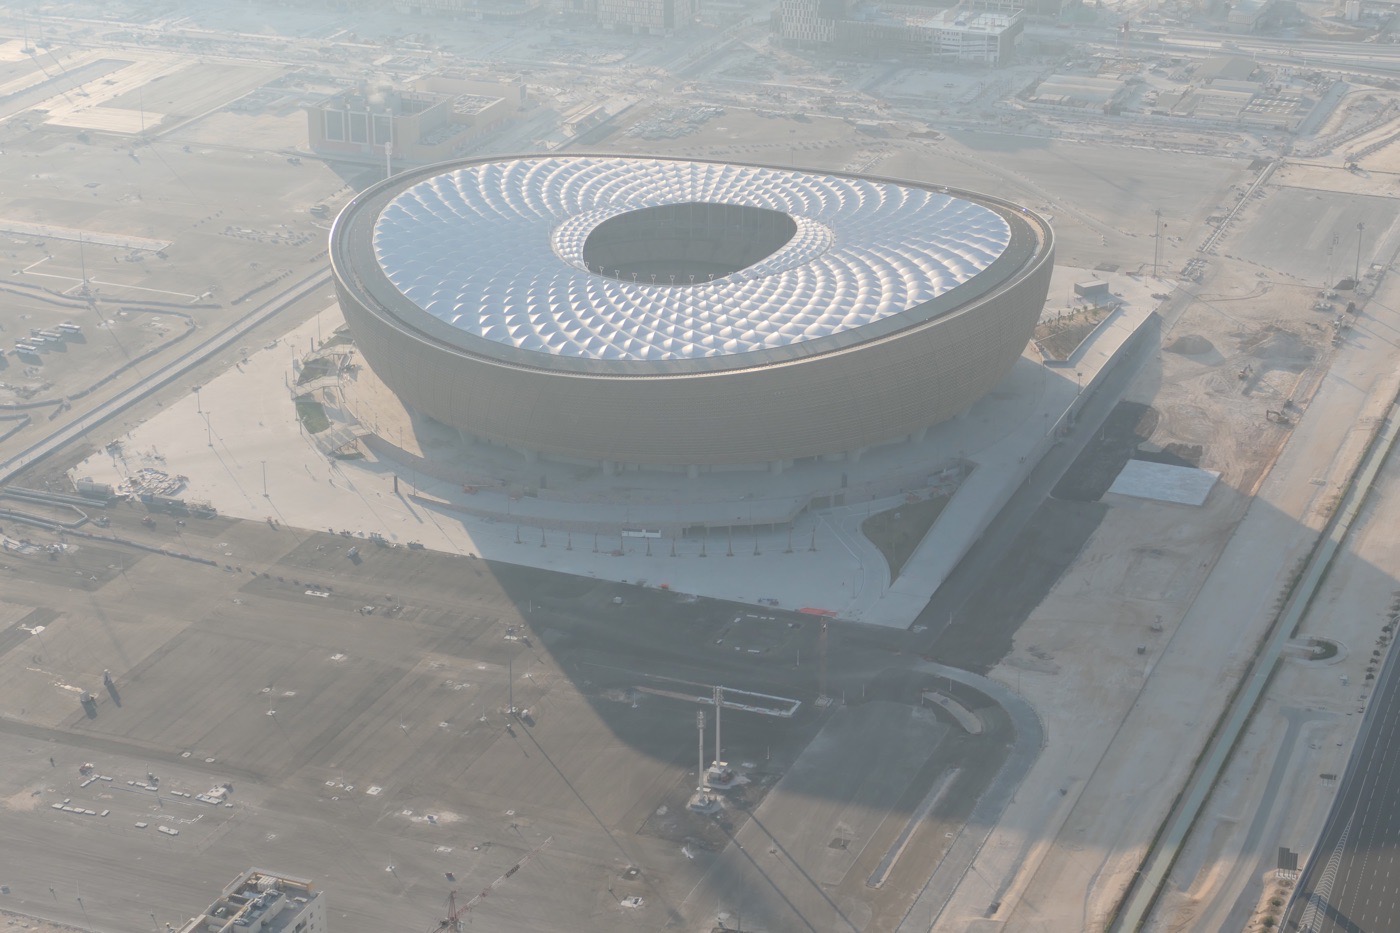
x=198, y=410
x=264, y=466
x=1157, y=244
x=1356, y=279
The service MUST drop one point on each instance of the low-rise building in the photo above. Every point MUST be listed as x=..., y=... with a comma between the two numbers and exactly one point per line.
x=968, y=32
x=1101, y=93
x=647, y=17
x=433, y=120
x=259, y=901
x=491, y=10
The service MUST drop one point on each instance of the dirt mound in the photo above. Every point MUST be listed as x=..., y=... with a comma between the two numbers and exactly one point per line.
x=1191, y=345
x=1275, y=345
x=1174, y=454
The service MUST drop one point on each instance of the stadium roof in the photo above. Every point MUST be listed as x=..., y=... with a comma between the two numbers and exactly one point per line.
x=496, y=250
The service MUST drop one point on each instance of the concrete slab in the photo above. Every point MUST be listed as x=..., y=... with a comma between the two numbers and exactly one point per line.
x=1164, y=482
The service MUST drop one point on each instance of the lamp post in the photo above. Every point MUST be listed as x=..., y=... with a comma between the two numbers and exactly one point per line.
x=700, y=766
x=1356, y=278
x=264, y=468
x=1157, y=243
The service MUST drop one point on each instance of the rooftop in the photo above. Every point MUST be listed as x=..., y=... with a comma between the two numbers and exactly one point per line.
x=472, y=103
x=506, y=251
x=959, y=18
x=256, y=902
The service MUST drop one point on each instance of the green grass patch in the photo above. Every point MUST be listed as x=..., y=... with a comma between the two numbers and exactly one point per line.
x=1058, y=339
x=312, y=415
x=898, y=531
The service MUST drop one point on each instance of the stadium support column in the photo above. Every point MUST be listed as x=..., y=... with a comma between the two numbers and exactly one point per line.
x=692, y=471
x=776, y=466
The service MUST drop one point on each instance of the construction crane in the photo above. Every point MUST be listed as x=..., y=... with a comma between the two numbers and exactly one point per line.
x=453, y=921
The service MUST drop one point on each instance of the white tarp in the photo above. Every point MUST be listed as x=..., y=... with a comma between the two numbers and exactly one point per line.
x=1164, y=482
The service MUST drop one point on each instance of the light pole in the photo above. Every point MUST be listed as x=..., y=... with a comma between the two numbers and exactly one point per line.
x=264, y=466
x=719, y=705
x=198, y=409
x=1157, y=243
x=208, y=430
x=1356, y=278
x=700, y=766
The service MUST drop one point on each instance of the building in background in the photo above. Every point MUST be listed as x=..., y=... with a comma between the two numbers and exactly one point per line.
x=488, y=10
x=435, y=118
x=970, y=32
x=647, y=17
x=261, y=901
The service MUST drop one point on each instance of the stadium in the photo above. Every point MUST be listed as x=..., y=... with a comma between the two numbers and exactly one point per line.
x=681, y=313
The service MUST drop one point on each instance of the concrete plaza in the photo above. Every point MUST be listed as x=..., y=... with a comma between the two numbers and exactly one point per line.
x=242, y=448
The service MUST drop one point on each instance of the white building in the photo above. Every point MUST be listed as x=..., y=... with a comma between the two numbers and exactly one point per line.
x=968, y=32
x=261, y=901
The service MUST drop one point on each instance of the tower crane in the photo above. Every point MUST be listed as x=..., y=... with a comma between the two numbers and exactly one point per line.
x=452, y=923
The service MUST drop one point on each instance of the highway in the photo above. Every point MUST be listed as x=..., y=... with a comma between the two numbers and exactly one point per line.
x=111, y=407
x=1352, y=882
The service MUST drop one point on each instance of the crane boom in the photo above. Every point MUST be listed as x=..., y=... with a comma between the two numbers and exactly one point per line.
x=453, y=921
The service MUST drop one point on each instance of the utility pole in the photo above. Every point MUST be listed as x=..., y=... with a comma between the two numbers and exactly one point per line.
x=821, y=666
x=719, y=703
x=1356, y=279
x=700, y=749
x=1157, y=243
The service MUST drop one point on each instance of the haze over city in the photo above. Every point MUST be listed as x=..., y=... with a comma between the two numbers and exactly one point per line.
x=699, y=465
